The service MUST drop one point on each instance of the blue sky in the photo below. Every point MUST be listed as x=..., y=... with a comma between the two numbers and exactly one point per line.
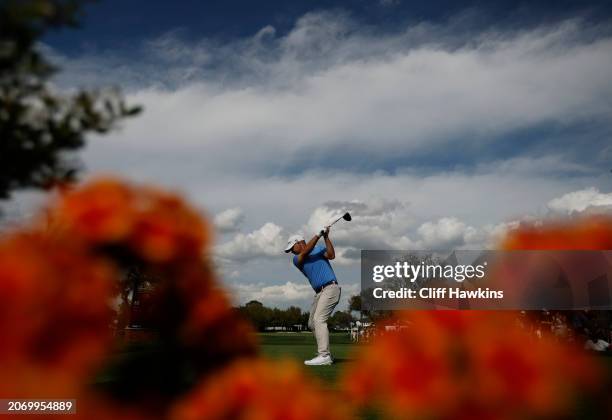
x=437, y=124
x=116, y=23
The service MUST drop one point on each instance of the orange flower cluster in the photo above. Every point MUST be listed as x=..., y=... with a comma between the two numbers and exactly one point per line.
x=260, y=390
x=189, y=305
x=168, y=239
x=58, y=280
x=54, y=316
x=466, y=365
x=155, y=225
x=590, y=233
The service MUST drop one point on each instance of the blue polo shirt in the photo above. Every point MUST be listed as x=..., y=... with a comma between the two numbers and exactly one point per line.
x=316, y=267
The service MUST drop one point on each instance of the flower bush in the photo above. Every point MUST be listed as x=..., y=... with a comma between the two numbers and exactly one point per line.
x=475, y=364
x=467, y=364
x=154, y=225
x=260, y=390
x=54, y=317
x=589, y=233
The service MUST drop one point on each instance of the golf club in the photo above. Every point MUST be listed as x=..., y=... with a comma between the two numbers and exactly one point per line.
x=346, y=216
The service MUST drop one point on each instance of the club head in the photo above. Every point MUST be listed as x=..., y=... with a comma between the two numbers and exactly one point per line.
x=347, y=217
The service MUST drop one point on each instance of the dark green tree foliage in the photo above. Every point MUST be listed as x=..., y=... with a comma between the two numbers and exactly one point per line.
x=340, y=320
x=259, y=315
x=289, y=319
x=263, y=317
x=355, y=303
x=41, y=127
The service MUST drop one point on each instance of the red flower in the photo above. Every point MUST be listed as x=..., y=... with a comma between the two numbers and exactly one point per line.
x=254, y=389
x=453, y=364
x=157, y=226
x=590, y=233
x=102, y=211
x=55, y=316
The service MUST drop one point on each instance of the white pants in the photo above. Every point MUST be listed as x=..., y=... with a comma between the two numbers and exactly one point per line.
x=322, y=307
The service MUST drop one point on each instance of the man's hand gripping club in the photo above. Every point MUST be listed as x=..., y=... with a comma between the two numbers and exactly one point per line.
x=329, y=252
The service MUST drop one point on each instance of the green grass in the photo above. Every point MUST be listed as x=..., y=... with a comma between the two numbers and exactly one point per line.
x=302, y=346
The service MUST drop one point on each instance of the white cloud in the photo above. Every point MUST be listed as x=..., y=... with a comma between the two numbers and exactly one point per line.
x=446, y=233
x=331, y=86
x=267, y=241
x=381, y=224
x=283, y=295
x=578, y=201
x=286, y=293
x=340, y=114
x=229, y=220
x=377, y=224
x=21, y=210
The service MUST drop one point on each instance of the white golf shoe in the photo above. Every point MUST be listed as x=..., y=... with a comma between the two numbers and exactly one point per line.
x=319, y=361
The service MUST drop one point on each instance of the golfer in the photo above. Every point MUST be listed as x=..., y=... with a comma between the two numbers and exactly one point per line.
x=313, y=261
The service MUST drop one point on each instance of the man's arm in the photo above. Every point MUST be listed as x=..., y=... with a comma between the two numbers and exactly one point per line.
x=309, y=246
x=330, y=254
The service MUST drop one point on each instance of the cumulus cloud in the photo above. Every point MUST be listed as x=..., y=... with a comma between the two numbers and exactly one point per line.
x=330, y=92
x=267, y=241
x=229, y=220
x=283, y=295
x=378, y=224
x=446, y=233
x=391, y=224
x=578, y=201
x=22, y=209
x=431, y=136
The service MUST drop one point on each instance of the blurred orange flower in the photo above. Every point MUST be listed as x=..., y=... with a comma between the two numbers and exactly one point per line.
x=587, y=233
x=253, y=389
x=155, y=225
x=190, y=305
x=102, y=211
x=57, y=284
x=455, y=364
x=55, y=314
x=167, y=228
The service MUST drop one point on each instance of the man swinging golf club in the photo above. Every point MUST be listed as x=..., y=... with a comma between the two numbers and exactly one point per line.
x=313, y=261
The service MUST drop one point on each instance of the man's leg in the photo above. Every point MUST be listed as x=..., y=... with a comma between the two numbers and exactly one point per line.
x=313, y=309
x=327, y=301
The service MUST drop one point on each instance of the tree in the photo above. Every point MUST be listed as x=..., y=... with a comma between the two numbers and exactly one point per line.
x=340, y=320
x=259, y=315
x=262, y=317
x=293, y=316
x=41, y=126
x=355, y=303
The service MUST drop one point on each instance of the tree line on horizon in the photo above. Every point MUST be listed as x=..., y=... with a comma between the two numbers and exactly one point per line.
x=293, y=318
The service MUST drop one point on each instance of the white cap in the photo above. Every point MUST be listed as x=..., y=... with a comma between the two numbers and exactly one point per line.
x=292, y=241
